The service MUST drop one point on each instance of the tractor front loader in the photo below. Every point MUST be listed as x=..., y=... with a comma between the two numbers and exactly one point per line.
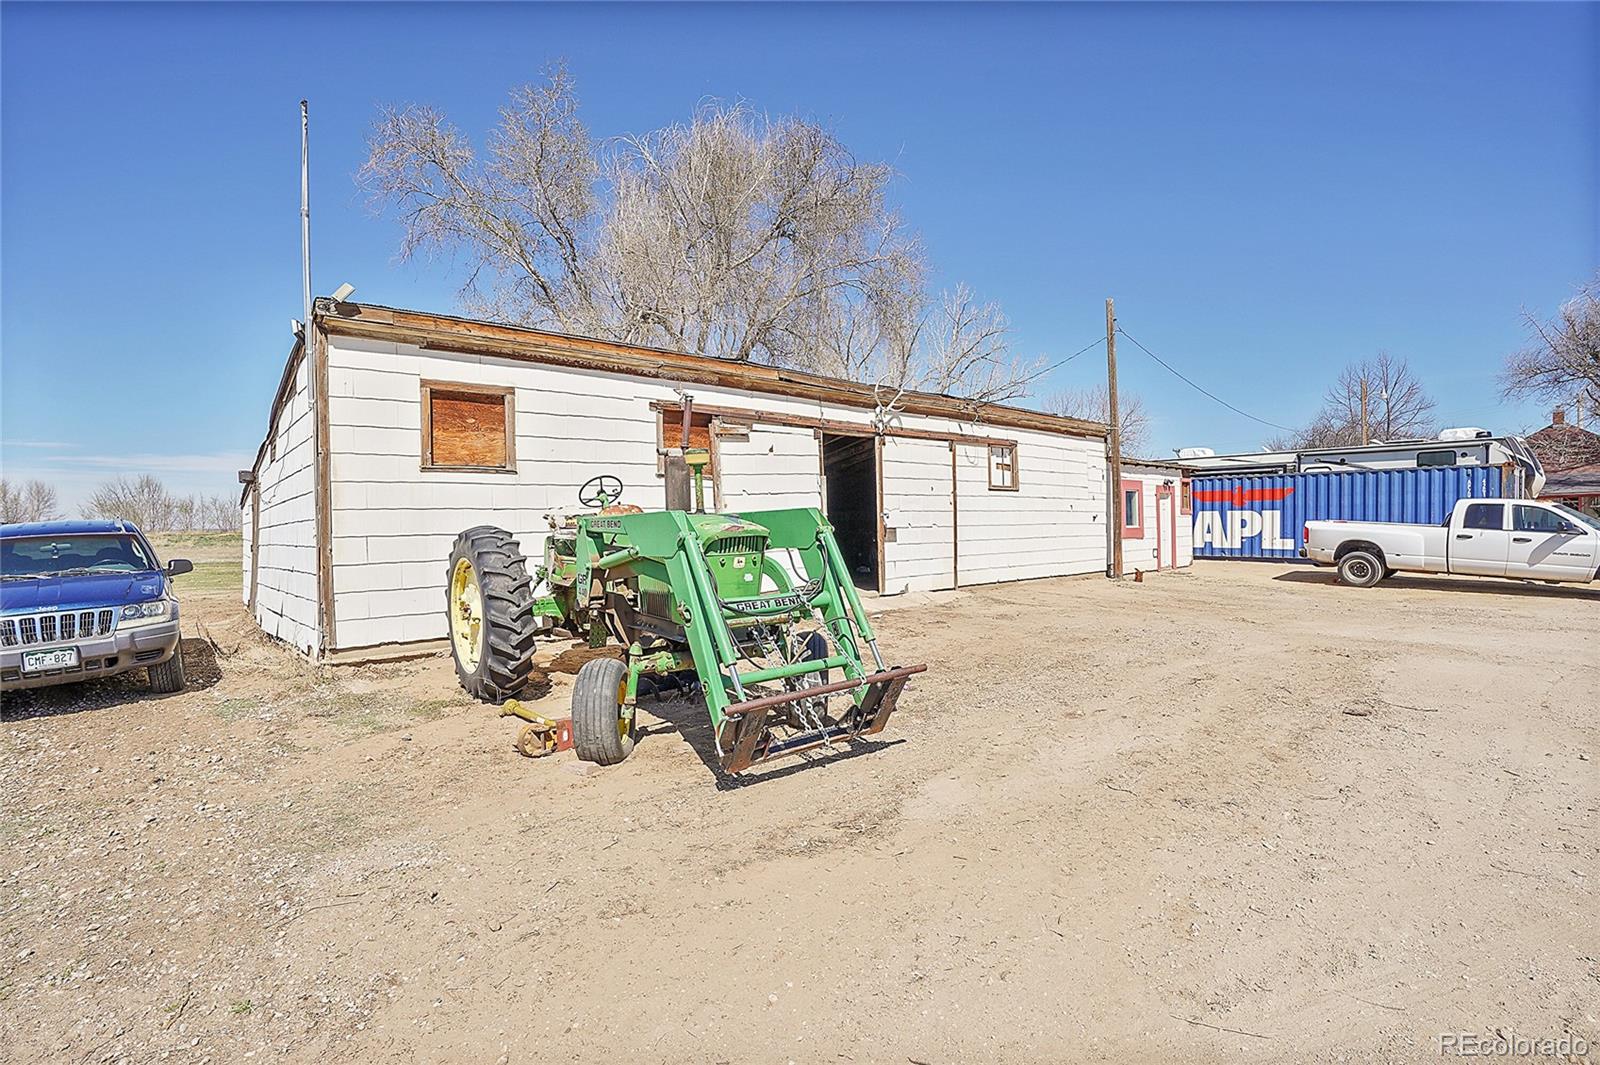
x=756, y=612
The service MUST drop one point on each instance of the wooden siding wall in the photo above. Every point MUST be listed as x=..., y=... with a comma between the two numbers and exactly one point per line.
x=394, y=523
x=1053, y=524
x=286, y=590
x=917, y=505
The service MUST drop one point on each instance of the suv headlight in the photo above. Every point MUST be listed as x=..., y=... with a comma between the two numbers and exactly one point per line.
x=154, y=610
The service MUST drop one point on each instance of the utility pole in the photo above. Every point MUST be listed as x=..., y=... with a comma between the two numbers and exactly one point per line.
x=1363, y=410
x=1114, y=440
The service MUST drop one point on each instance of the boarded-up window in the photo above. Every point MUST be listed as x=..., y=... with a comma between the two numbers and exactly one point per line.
x=467, y=427
x=702, y=434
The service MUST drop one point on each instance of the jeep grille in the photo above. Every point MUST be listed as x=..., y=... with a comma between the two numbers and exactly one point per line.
x=56, y=628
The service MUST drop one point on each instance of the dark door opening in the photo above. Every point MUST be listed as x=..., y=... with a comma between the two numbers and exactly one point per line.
x=850, y=471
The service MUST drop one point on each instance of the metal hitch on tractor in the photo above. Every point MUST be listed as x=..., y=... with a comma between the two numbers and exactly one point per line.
x=754, y=611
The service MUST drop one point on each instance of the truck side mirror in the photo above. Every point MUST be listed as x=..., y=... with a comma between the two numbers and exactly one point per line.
x=179, y=566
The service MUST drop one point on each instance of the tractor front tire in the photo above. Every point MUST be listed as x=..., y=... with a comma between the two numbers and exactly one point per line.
x=1360, y=569
x=598, y=732
x=487, y=578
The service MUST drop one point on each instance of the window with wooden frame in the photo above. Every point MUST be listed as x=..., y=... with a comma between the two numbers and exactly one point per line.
x=702, y=434
x=1186, y=496
x=1002, y=467
x=468, y=427
x=1132, y=510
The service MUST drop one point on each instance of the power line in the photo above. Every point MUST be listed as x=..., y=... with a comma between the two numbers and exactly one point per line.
x=1057, y=365
x=1197, y=388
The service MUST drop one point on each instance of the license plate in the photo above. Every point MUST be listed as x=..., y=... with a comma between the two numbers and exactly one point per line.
x=61, y=658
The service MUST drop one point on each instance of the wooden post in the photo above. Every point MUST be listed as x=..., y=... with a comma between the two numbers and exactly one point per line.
x=1363, y=411
x=1114, y=440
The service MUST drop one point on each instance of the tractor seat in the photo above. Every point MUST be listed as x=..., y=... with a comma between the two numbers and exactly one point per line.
x=622, y=508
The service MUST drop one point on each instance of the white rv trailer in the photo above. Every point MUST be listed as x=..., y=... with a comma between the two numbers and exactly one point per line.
x=1452, y=447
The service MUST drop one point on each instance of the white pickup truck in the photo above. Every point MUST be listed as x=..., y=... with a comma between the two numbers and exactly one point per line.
x=1518, y=538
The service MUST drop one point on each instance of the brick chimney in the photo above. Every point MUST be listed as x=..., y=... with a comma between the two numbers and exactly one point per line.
x=1558, y=416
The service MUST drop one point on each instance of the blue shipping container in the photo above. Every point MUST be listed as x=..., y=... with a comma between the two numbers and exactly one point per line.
x=1260, y=515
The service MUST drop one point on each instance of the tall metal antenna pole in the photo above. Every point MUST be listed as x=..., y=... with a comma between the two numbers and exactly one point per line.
x=305, y=218
x=309, y=359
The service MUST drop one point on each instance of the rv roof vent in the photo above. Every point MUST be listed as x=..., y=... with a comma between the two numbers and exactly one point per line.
x=1465, y=432
x=1196, y=452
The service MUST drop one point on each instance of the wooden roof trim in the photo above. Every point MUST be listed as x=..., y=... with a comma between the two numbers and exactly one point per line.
x=447, y=333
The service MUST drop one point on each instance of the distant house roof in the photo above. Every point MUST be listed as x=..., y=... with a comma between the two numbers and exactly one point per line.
x=1582, y=481
x=1563, y=446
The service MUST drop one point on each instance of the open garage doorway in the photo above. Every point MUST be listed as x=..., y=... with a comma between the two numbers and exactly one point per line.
x=850, y=474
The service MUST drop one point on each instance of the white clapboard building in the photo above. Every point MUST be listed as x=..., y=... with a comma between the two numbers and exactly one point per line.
x=398, y=429
x=1157, y=516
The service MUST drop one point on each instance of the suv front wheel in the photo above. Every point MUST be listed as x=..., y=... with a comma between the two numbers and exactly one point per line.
x=168, y=676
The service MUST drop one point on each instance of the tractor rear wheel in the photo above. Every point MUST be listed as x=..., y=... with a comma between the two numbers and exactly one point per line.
x=489, y=604
x=600, y=733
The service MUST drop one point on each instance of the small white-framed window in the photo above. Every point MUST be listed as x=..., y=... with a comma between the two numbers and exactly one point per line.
x=1002, y=467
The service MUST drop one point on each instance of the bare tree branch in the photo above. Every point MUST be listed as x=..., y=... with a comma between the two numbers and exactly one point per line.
x=1398, y=407
x=1094, y=404
x=32, y=501
x=732, y=234
x=1562, y=360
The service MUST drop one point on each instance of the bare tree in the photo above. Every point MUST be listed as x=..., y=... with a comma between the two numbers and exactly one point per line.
x=144, y=501
x=1398, y=407
x=1562, y=359
x=1094, y=403
x=32, y=501
x=219, y=513
x=733, y=234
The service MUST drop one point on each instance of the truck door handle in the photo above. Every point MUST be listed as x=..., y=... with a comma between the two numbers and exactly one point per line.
x=1463, y=536
x=1522, y=539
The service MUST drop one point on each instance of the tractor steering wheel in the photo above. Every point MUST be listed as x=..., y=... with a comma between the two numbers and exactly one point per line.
x=601, y=491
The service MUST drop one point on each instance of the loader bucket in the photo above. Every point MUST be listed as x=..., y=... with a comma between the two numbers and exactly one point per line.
x=748, y=728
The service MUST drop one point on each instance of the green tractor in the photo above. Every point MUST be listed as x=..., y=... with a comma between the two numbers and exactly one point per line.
x=684, y=600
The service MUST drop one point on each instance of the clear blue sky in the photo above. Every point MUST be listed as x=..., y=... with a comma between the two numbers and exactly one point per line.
x=1268, y=191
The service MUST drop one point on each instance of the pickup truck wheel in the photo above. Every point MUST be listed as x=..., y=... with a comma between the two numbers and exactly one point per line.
x=168, y=676
x=1360, y=569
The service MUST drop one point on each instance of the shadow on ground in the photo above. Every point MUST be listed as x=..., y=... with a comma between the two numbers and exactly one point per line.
x=687, y=716
x=1484, y=585
x=200, y=666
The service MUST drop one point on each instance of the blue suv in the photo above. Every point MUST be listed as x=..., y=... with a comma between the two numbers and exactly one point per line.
x=86, y=599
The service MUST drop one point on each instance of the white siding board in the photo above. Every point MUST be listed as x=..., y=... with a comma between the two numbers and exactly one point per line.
x=286, y=559
x=777, y=467
x=917, y=504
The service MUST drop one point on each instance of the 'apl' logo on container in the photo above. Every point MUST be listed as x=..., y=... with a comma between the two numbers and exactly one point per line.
x=1228, y=529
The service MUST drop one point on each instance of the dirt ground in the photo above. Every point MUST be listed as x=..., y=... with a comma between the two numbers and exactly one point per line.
x=1239, y=813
